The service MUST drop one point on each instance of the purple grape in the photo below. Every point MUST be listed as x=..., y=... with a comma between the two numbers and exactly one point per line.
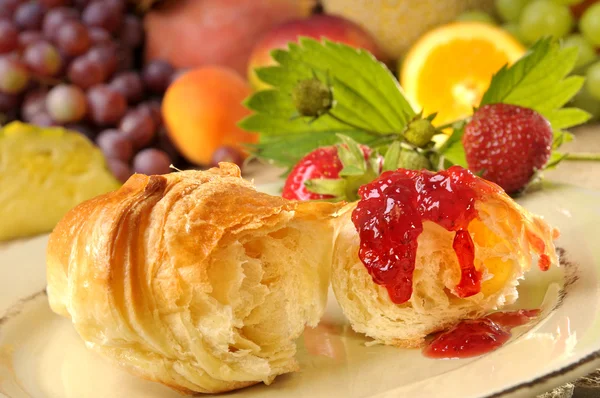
x=34, y=103
x=226, y=154
x=155, y=110
x=139, y=126
x=152, y=161
x=29, y=15
x=157, y=76
x=85, y=72
x=14, y=76
x=130, y=85
x=43, y=120
x=132, y=32
x=9, y=36
x=105, y=56
x=117, y=5
x=42, y=58
x=55, y=18
x=115, y=145
x=28, y=37
x=54, y=3
x=100, y=14
x=105, y=105
x=72, y=38
x=99, y=36
x=66, y=103
x=119, y=169
x=8, y=7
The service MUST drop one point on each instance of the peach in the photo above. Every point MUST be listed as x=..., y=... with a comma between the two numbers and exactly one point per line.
x=201, y=109
x=193, y=33
x=318, y=26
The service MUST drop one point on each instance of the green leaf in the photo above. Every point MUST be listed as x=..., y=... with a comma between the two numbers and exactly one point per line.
x=567, y=117
x=554, y=160
x=453, y=150
x=287, y=150
x=539, y=81
x=392, y=156
x=561, y=137
x=324, y=186
x=351, y=156
x=368, y=101
x=352, y=170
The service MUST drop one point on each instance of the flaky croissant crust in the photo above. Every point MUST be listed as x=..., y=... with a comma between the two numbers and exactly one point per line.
x=165, y=276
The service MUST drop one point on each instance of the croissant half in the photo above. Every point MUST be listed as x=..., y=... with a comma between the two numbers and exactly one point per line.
x=507, y=240
x=193, y=279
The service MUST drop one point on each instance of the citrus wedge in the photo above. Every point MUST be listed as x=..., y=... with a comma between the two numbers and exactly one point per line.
x=449, y=69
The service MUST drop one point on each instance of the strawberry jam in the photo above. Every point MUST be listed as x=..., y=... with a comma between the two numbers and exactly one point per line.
x=389, y=219
x=477, y=336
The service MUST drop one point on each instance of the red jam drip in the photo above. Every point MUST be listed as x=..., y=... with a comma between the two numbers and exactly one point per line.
x=476, y=337
x=389, y=219
x=539, y=247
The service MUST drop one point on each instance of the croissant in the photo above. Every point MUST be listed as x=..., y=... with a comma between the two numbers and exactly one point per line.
x=193, y=279
x=398, y=305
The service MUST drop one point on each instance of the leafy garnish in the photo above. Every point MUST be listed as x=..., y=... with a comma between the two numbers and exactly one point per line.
x=368, y=101
x=356, y=96
x=540, y=81
x=452, y=149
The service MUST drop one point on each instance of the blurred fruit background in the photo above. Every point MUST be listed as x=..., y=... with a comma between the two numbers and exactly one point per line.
x=155, y=83
x=102, y=67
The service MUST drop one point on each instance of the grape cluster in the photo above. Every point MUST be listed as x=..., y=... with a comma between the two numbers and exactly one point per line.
x=73, y=63
x=575, y=22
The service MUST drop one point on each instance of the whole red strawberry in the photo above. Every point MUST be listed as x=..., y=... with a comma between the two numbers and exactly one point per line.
x=322, y=163
x=508, y=143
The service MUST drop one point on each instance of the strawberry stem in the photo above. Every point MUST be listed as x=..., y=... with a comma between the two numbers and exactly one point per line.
x=588, y=156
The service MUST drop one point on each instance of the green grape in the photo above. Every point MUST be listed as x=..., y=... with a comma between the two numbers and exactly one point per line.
x=476, y=16
x=592, y=80
x=545, y=18
x=589, y=24
x=510, y=10
x=584, y=100
x=586, y=52
x=514, y=30
x=567, y=2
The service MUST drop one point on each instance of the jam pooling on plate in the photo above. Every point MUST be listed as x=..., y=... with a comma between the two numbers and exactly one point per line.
x=477, y=336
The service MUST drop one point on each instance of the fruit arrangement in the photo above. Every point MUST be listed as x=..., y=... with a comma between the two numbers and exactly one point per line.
x=341, y=115
x=73, y=64
x=575, y=22
x=141, y=81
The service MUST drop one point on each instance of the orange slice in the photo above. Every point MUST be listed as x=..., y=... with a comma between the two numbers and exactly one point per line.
x=449, y=69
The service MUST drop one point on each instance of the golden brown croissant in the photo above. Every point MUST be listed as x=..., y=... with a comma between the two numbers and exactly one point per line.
x=193, y=279
x=506, y=239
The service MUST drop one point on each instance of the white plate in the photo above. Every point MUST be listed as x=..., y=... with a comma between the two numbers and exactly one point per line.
x=41, y=355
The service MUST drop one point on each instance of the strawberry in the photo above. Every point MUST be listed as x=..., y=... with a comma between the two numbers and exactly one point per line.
x=332, y=172
x=507, y=144
x=323, y=162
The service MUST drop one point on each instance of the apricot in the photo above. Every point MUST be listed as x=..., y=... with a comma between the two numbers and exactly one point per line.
x=201, y=109
x=193, y=33
x=318, y=26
